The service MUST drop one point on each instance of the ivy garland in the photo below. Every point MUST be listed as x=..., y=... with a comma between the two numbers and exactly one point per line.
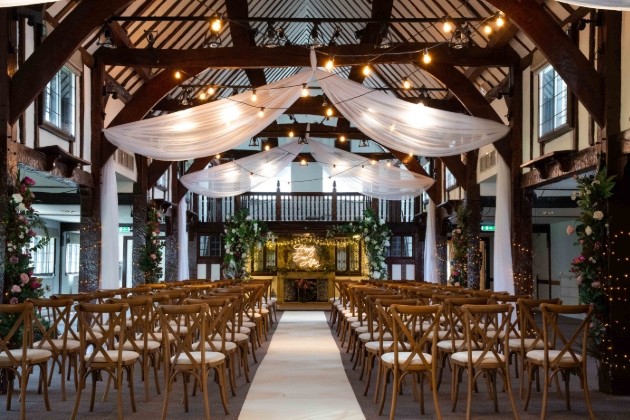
x=152, y=254
x=591, y=231
x=242, y=233
x=375, y=235
x=459, y=262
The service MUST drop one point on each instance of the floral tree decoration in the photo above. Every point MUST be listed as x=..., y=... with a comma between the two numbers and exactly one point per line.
x=242, y=234
x=591, y=231
x=151, y=257
x=459, y=239
x=375, y=235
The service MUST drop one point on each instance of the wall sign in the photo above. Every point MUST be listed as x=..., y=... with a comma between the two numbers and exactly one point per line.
x=487, y=228
x=305, y=256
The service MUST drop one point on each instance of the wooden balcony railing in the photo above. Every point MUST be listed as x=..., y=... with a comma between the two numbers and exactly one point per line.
x=306, y=206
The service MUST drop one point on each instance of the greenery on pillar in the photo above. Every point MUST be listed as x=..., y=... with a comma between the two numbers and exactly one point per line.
x=152, y=252
x=242, y=234
x=592, y=230
x=459, y=239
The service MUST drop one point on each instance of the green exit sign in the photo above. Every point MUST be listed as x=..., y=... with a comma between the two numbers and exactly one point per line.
x=124, y=229
x=487, y=228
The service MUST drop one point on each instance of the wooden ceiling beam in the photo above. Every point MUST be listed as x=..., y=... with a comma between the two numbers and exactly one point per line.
x=121, y=39
x=40, y=67
x=236, y=58
x=157, y=168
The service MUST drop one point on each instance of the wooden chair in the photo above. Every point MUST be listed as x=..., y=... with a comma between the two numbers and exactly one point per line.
x=20, y=362
x=111, y=320
x=55, y=337
x=482, y=355
x=187, y=361
x=564, y=361
x=487, y=293
x=408, y=356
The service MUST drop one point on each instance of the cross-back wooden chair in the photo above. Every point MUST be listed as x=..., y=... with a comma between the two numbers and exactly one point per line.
x=564, y=361
x=531, y=335
x=482, y=354
x=20, y=362
x=487, y=293
x=187, y=361
x=73, y=326
x=360, y=327
x=54, y=338
x=111, y=319
x=409, y=356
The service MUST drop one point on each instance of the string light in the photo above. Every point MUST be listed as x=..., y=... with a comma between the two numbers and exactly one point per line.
x=178, y=75
x=329, y=112
x=210, y=90
x=218, y=156
x=366, y=70
x=202, y=95
x=406, y=84
x=392, y=127
x=254, y=96
x=426, y=58
x=303, y=162
x=500, y=19
x=261, y=113
x=342, y=138
x=389, y=163
x=291, y=133
x=305, y=91
x=447, y=27
x=267, y=147
x=330, y=63
x=373, y=162
x=362, y=167
x=251, y=174
x=487, y=29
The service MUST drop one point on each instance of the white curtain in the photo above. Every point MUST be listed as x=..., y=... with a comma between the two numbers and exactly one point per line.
x=182, y=241
x=212, y=128
x=503, y=274
x=430, y=247
x=109, y=227
x=242, y=175
x=600, y=4
x=374, y=180
x=17, y=3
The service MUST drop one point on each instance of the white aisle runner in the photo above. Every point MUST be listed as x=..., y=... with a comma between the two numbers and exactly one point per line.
x=301, y=377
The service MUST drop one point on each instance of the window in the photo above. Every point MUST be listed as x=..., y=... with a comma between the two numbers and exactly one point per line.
x=72, y=259
x=487, y=161
x=59, y=101
x=210, y=246
x=401, y=247
x=553, y=102
x=395, y=249
x=215, y=246
x=342, y=261
x=407, y=249
x=271, y=257
x=451, y=182
x=44, y=259
x=125, y=159
x=163, y=181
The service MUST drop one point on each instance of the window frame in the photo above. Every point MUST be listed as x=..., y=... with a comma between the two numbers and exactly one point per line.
x=78, y=264
x=562, y=128
x=166, y=178
x=52, y=128
x=51, y=243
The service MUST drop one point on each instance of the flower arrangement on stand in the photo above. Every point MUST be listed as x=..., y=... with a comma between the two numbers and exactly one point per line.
x=20, y=221
x=152, y=253
x=375, y=235
x=592, y=231
x=242, y=233
x=459, y=239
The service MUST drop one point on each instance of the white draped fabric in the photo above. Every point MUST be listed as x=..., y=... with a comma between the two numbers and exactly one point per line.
x=503, y=274
x=600, y=4
x=209, y=129
x=242, y=175
x=109, y=227
x=374, y=180
x=182, y=241
x=430, y=247
x=17, y=3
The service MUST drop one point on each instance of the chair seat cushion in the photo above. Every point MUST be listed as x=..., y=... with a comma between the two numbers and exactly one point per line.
x=488, y=358
x=441, y=335
x=127, y=356
x=332, y=300
x=158, y=337
x=515, y=343
x=358, y=324
x=237, y=337
x=448, y=345
x=71, y=345
x=388, y=346
x=360, y=330
x=32, y=355
x=403, y=356
x=375, y=336
x=492, y=333
x=539, y=355
x=211, y=357
x=151, y=345
x=229, y=346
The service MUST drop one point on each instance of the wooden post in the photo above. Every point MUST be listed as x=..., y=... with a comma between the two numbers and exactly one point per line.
x=440, y=240
x=333, y=203
x=140, y=207
x=5, y=132
x=278, y=203
x=473, y=204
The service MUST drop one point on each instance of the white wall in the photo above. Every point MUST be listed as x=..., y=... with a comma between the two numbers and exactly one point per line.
x=312, y=174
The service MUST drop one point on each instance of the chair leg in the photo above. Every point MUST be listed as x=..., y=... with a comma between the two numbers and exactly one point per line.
x=204, y=391
x=78, y=397
x=395, y=387
x=436, y=401
x=522, y=377
x=471, y=383
x=131, y=391
x=368, y=368
x=530, y=370
x=386, y=373
x=167, y=390
x=545, y=371
x=587, y=397
x=155, y=372
x=455, y=390
x=94, y=379
x=23, y=385
x=10, y=379
x=119, y=376
x=378, y=379
x=44, y=374
x=510, y=393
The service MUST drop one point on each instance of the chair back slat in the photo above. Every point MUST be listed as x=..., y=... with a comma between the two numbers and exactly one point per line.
x=22, y=314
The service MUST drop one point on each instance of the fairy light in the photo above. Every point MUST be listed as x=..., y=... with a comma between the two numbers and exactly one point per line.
x=487, y=29
x=329, y=112
x=389, y=163
x=329, y=64
x=202, y=95
x=218, y=157
x=291, y=133
x=267, y=147
x=373, y=162
x=342, y=138
x=366, y=71
x=178, y=74
x=216, y=24
x=426, y=58
x=305, y=91
x=500, y=19
x=447, y=26
x=406, y=84
x=254, y=96
x=211, y=90
x=261, y=113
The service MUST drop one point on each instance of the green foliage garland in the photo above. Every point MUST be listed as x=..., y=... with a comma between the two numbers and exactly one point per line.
x=459, y=262
x=152, y=254
x=242, y=233
x=591, y=231
x=375, y=235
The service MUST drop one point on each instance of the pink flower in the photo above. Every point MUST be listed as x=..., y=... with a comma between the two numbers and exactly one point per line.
x=35, y=285
x=579, y=280
x=153, y=256
x=30, y=273
x=14, y=260
x=457, y=284
x=582, y=258
x=575, y=176
x=456, y=273
x=570, y=230
x=157, y=231
x=31, y=233
x=13, y=301
x=248, y=218
x=596, y=285
x=16, y=289
x=22, y=188
x=24, y=278
x=581, y=241
x=28, y=181
x=591, y=326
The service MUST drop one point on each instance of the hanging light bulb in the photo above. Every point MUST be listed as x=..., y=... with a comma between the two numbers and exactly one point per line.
x=216, y=23
x=487, y=29
x=251, y=174
x=334, y=166
x=410, y=154
x=303, y=162
x=329, y=112
x=330, y=63
x=261, y=113
x=305, y=92
x=406, y=84
x=389, y=163
x=291, y=133
x=373, y=162
x=342, y=138
x=447, y=25
x=254, y=97
x=267, y=147
x=426, y=58
x=392, y=127
x=210, y=90
x=202, y=95
x=500, y=19
x=218, y=157
x=366, y=71
x=362, y=167
x=178, y=75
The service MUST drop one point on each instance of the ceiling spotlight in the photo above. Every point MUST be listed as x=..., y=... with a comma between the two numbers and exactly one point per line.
x=500, y=19
x=185, y=101
x=151, y=37
x=253, y=142
x=254, y=97
x=305, y=92
x=282, y=36
x=216, y=23
x=271, y=40
x=105, y=38
x=487, y=29
x=261, y=113
x=302, y=139
x=406, y=84
x=315, y=36
x=447, y=26
x=330, y=63
x=386, y=42
x=342, y=138
x=329, y=112
x=364, y=143
x=335, y=35
x=212, y=40
x=426, y=58
x=366, y=70
x=325, y=103
x=210, y=90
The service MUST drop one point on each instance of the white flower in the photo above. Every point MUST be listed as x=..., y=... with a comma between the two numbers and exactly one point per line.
x=598, y=215
x=573, y=196
x=595, y=182
x=587, y=191
x=588, y=230
x=386, y=243
x=21, y=236
x=21, y=206
x=367, y=239
x=153, y=234
x=17, y=198
x=10, y=249
x=365, y=230
x=382, y=221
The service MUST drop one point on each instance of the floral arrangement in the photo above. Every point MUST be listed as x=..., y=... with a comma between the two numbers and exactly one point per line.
x=151, y=257
x=20, y=220
x=375, y=235
x=242, y=233
x=459, y=239
x=591, y=231
x=307, y=290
